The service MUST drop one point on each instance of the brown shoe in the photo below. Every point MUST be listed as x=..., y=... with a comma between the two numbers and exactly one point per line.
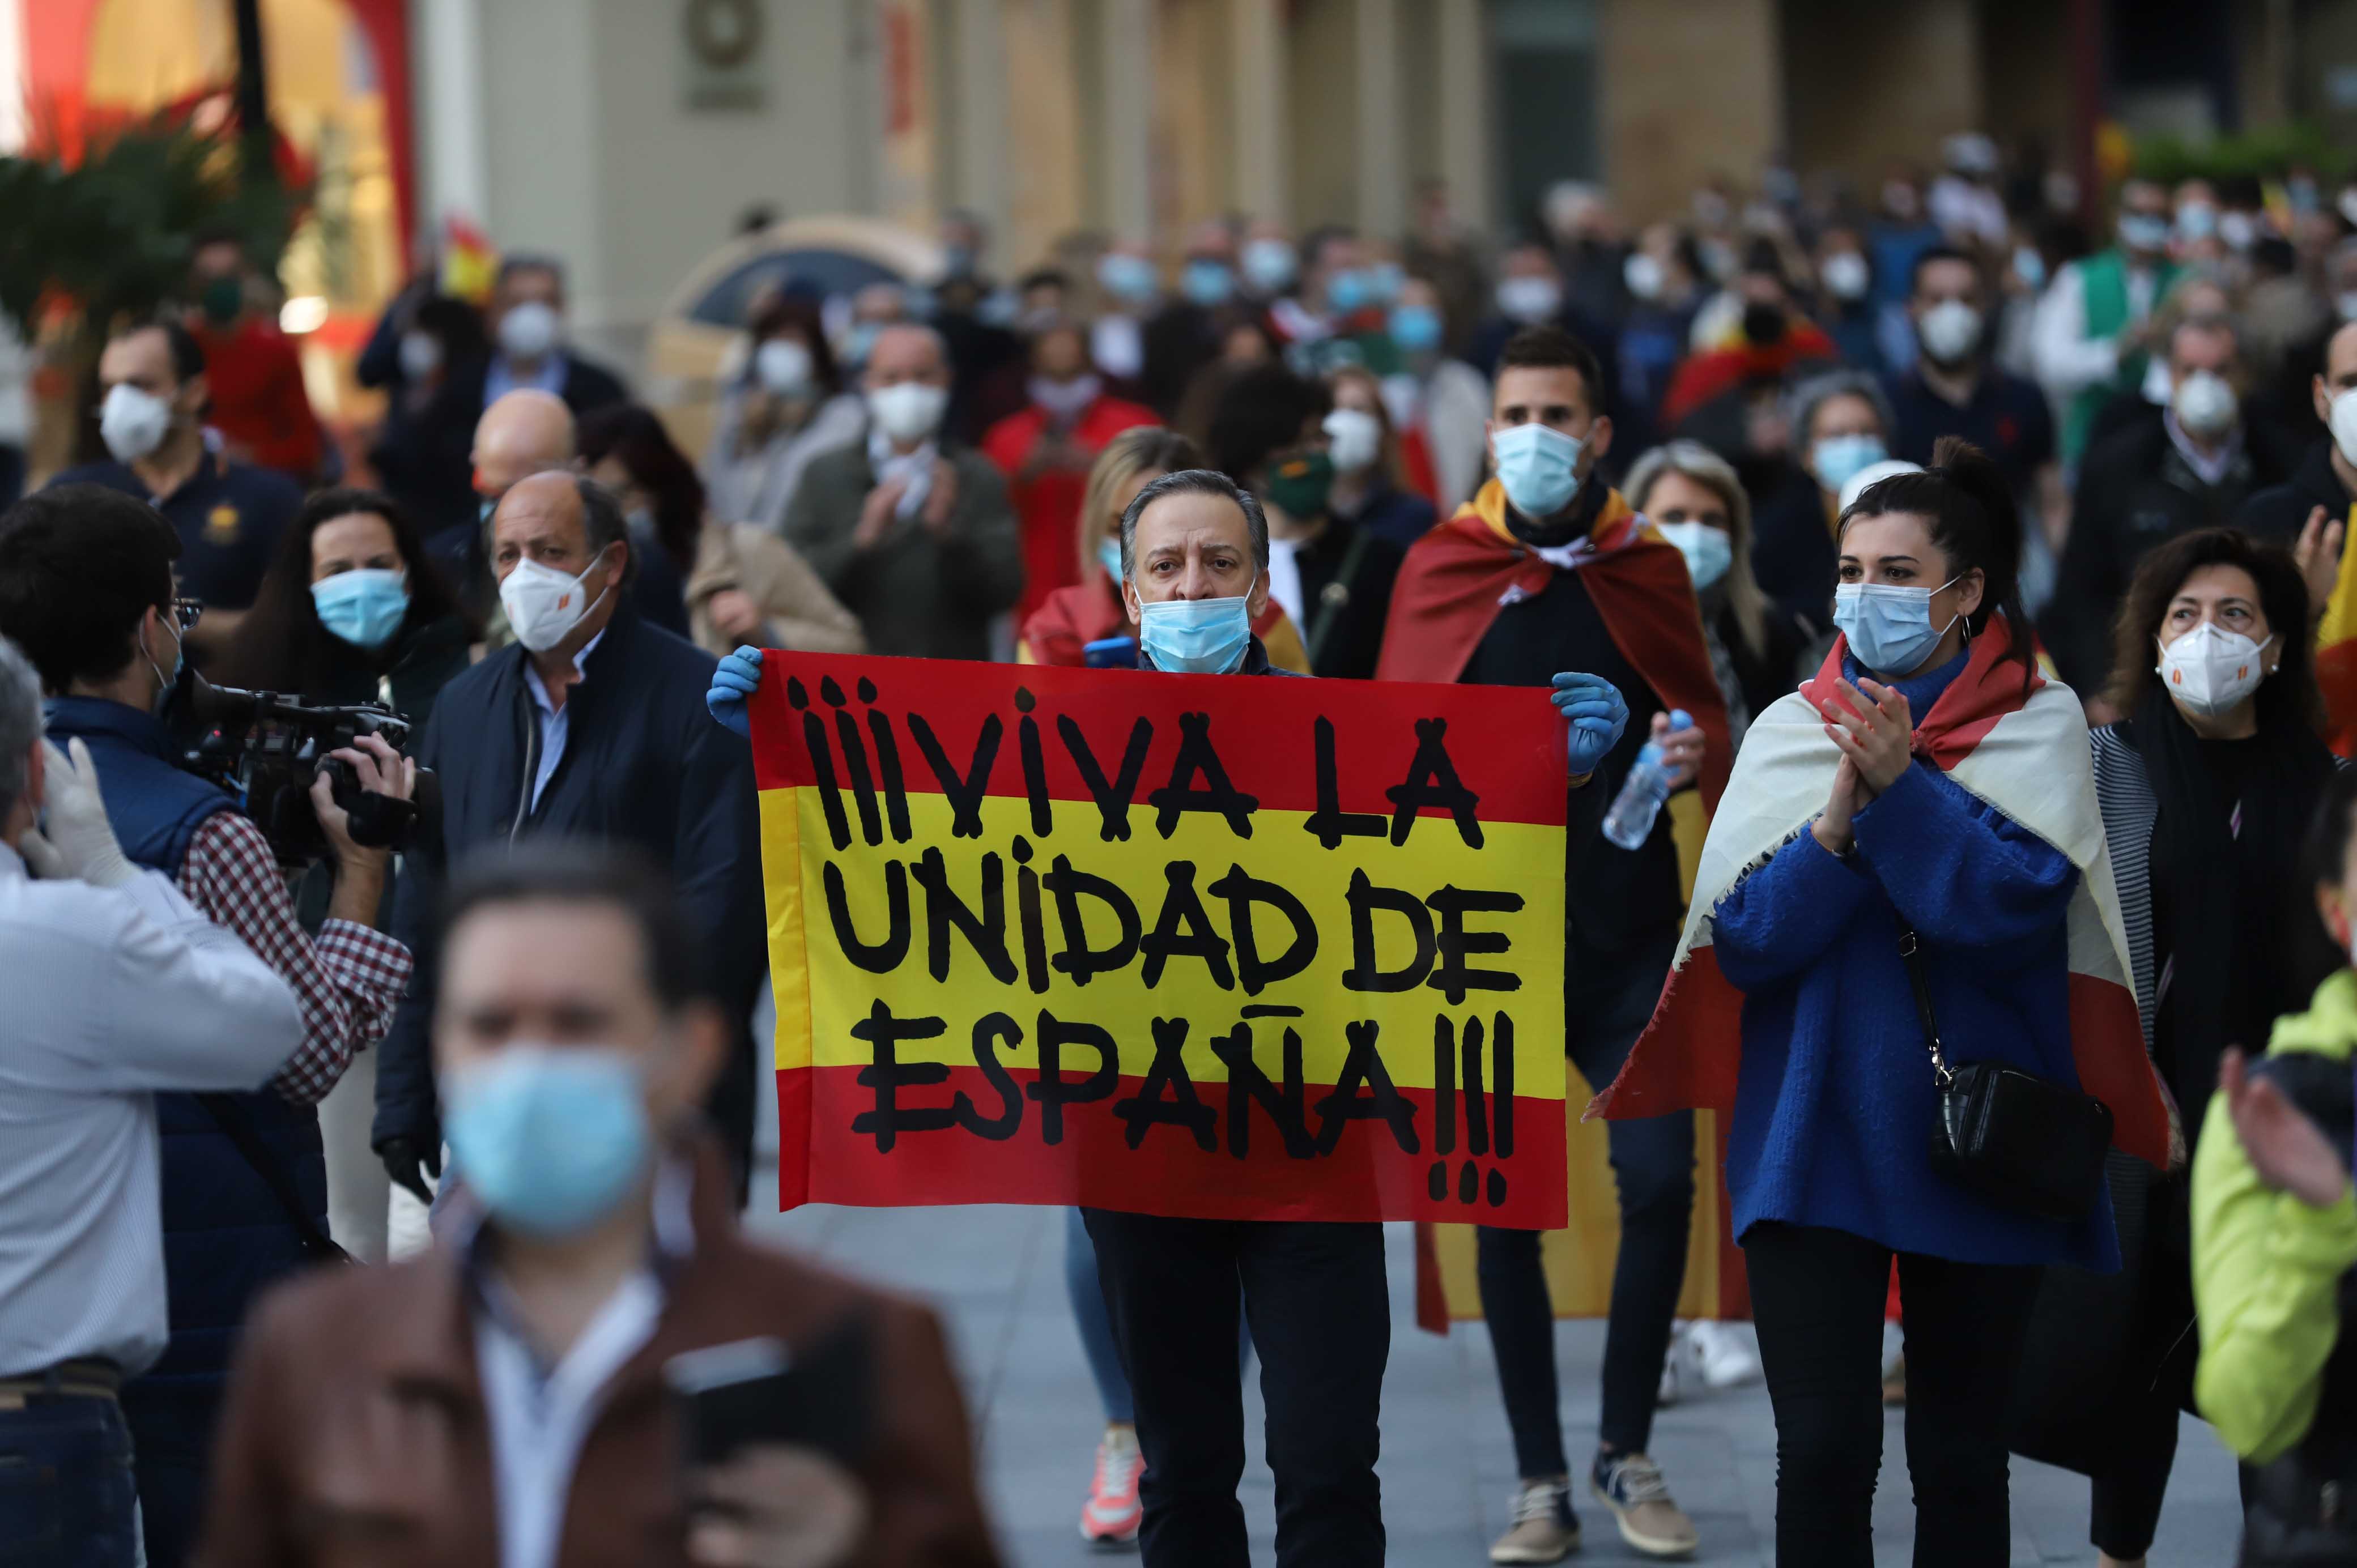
x=1630, y=1484
x=1543, y=1530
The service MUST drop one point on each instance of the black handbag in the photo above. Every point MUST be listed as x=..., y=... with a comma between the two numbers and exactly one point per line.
x=2011, y=1136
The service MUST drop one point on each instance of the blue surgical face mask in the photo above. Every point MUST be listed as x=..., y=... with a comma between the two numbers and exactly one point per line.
x=1109, y=557
x=1538, y=465
x=1195, y=637
x=551, y=1138
x=1415, y=327
x=1347, y=290
x=1838, y=458
x=1206, y=282
x=364, y=607
x=1708, y=551
x=1889, y=627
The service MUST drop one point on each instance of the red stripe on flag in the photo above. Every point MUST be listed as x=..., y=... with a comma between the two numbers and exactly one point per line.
x=1368, y=1177
x=1505, y=743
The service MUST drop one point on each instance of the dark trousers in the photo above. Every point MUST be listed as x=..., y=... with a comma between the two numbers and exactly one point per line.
x=2126, y=1496
x=1652, y=1169
x=172, y=1422
x=1321, y=1314
x=1817, y=1296
x=66, y=1499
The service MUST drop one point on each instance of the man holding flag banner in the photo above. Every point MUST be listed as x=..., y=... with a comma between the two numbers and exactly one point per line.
x=1241, y=970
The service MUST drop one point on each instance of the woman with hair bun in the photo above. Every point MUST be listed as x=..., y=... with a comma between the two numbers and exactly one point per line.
x=1928, y=791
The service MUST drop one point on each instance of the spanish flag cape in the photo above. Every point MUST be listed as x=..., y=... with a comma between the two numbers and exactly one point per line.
x=2336, y=649
x=1456, y=577
x=2024, y=753
x=1449, y=590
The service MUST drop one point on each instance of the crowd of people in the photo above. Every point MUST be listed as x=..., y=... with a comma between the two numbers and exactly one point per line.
x=1966, y=568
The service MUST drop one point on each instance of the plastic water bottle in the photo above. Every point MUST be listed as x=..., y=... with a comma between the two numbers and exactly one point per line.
x=1631, y=820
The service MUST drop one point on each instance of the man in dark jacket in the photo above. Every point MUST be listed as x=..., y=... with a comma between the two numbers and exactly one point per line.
x=529, y=346
x=2193, y=468
x=915, y=535
x=589, y=726
x=2324, y=488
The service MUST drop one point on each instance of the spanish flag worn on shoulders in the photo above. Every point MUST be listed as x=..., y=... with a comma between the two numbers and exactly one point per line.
x=2027, y=753
x=1457, y=578
x=2336, y=649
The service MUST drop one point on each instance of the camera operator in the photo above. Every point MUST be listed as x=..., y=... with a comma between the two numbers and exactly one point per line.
x=86, y=591
x=116, y=987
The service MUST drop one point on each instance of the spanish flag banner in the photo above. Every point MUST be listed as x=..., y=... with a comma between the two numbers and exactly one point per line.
x=1210, y=946
x=2336, y=649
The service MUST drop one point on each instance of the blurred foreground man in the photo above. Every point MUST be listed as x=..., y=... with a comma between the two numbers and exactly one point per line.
x=588, y=727
x=503, y=1398
x=117, y=987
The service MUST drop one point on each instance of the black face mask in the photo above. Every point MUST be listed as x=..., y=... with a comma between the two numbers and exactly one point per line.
x=1763, y=325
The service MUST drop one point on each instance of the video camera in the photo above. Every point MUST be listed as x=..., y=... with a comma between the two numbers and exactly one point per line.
x=266, y=748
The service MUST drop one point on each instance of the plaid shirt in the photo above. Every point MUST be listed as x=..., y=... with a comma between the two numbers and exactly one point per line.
x=347, y=981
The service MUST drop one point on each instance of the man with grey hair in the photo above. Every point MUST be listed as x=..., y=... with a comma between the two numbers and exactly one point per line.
x=913, y=533
x=587, y=727
x=118, y=988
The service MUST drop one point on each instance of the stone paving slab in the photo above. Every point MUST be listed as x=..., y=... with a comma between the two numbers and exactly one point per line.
x=997, y=1276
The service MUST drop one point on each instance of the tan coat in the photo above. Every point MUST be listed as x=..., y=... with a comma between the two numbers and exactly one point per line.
x=356, y=1430
x=802, y=615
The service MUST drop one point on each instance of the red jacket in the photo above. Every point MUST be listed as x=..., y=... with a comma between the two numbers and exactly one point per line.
x=259, y=403
x=1048, y=503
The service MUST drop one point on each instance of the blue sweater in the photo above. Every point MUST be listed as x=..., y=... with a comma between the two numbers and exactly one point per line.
x=1835, y=1100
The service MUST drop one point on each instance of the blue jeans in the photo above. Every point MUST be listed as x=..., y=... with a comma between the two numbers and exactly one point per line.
x=1095, y=1325
x=66, y=1499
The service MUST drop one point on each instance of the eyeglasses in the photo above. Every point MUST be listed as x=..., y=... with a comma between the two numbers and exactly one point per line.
x=185, y=611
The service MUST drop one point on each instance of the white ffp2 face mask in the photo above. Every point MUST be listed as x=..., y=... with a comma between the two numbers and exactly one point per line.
x=543, y=605
x=2209, y=669
x=133, y=423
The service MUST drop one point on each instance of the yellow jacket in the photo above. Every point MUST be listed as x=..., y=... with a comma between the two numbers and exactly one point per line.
x=2266, y=1267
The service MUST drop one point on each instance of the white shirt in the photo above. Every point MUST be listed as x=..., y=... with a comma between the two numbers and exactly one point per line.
x=539, y=1416
x=2068, y=360
x=1285, y=578
x=555, y=722
x=111, y=993
x=913, y=468
x=2209, y=468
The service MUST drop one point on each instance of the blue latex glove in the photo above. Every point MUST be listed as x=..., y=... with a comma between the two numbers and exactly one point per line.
x=1598, y=714
x=734, y=678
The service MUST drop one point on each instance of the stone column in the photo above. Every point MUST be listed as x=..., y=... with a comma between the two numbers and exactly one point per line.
x=1256, y=36
x=1382, y=119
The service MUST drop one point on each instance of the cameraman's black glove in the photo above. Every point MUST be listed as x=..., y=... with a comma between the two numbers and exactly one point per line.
x=406, y=1157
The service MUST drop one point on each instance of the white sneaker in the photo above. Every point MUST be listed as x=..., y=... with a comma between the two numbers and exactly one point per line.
x=1725, y=1354
x=1673, y=1365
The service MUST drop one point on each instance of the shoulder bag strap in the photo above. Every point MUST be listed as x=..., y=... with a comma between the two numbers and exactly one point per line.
x=1911, y=953
x=1330, y=605
x=231, y=1117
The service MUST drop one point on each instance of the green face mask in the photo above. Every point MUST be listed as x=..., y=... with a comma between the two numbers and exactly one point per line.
x=221, y=300
x=1299, y=486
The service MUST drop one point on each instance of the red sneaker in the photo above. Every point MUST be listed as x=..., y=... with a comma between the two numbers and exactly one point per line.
x=1112, y=1514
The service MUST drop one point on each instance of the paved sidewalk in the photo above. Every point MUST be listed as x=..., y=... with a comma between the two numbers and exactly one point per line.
x=996, y=1274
